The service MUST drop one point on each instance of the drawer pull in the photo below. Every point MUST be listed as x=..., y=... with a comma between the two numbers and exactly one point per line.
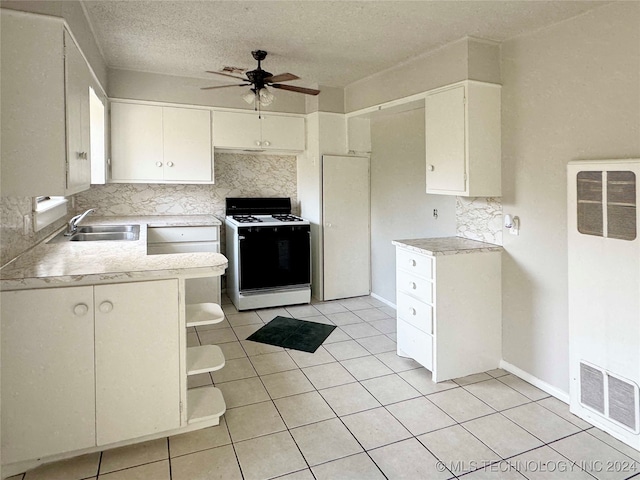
x=412, y=263
x=412, y=311
x=412, y=285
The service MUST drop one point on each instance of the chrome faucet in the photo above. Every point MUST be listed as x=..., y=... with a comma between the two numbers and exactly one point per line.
x=72, y=226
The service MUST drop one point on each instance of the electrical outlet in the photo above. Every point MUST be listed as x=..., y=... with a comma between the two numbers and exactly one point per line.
x=435, y=213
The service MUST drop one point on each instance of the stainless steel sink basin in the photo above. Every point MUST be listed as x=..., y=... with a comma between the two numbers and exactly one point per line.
x=97, y=233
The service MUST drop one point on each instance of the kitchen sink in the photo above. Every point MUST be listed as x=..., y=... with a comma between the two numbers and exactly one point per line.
x=96, y=233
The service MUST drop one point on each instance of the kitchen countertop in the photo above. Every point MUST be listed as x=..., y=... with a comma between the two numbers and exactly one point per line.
x=83, y=263
x=446, y=246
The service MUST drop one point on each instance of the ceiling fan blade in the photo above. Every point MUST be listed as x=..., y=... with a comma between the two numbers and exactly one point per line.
x=291, y=88
x=227, y=75
x=283, y=77
x=224, y=86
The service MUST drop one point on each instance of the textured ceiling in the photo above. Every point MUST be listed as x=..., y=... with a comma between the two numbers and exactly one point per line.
x=323, y=42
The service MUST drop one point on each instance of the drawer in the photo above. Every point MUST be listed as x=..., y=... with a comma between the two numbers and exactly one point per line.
x=415, y=312
x=182, y=234
x=415, y=263
x=416, y=344
x=163, y=248
x=415, y=286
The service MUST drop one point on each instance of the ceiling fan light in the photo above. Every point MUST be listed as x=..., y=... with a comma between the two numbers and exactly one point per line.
x=249, y=97
x=266, y=97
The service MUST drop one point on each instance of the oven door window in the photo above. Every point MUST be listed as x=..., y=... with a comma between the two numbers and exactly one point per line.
x=274, y=257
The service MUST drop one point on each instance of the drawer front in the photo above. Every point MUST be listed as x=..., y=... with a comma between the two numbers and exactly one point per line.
x=415, y=263
x=415, y=286
x=182, y=234
x=416, y=344
x=415, y=312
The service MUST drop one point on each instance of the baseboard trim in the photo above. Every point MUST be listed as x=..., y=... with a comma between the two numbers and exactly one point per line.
x=383, y=300
x=535, y=381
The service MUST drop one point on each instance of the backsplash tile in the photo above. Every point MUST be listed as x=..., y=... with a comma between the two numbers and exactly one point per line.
x=479, y=218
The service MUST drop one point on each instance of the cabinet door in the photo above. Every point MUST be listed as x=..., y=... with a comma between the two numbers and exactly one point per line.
x=187, y=144
x=77, y=79
x=136, y=142
x=236, y=130
x=282, y=133
x=48, y=396
x=445, y=141
x=137, y=360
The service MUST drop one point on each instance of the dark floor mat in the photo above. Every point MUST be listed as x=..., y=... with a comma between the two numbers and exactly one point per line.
x=293, y=333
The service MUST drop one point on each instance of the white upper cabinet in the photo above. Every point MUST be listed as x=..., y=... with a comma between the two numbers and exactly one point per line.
x=462, y=132
x=158, y=144
x=37, y=54
x=245, y=131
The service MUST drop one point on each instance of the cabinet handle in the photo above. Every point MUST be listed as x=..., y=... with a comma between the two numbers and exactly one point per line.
x=412, y=263
x=169, y=164
x=82, y=155
x=413, y=285
x=106, y=307
x=412, y=311
x=158, y=164
x=258, y=143
x=266, y=143
x=81, y=309
x=431, y=168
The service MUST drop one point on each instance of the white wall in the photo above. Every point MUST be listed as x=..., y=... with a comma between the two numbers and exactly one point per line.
x=400, y=208
x=570, y=91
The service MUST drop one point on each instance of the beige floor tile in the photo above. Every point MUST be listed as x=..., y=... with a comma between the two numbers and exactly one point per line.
x=374, y=302
x=269, y=456
x=336, y=336
x=355, y=467
x=301, y=475
x=220, y=335
x=363, y=368
x=360, y=330
x=199, y=440
x=273, y=363
x=20, y=476
x=319, y=319
x=560, y=408
x=615, y=443
x=200, y=380
x=325, y=441
x=545, y=463
x=355, y=304
x=420, y=379
x=475, y=378
x=498, y=395
x=396, y=363
x=235, y=369
x=268, y=314
x=192, y=339
x=420, y=416
x=156, y=471
x=523, y=387
x=497, y=373
x=375, y=428
x=460, y=404
x=378, y=344
x=496, y=471
x=389, y=311
x=232, y=350
x=349, y=398
x=302, y=311
x=256, y=348
x=306, y=359
x=253, y=421
x=244, y=318
x=386, y=325
x=72, y=469
x=390, y=389
x=243, y=392
x=595, y=456
x=409, y=460
x=228, y=308
x=371, y=314
x=537, y=420
x=133, y=455
x=346, y=350
x=214, y=464
x=458, y=449
x=303, y=409
x=392, y=336
x=330, y=307
x=243, y=331
x=502, y=435
x=344, y=318
x=328, y=375
x=284, y=384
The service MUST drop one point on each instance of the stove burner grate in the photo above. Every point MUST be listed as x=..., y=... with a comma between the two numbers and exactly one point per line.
x=246, y=219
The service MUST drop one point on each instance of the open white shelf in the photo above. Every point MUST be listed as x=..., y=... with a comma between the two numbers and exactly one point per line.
x=203, y=359
x=199, y=314
x=204, y=403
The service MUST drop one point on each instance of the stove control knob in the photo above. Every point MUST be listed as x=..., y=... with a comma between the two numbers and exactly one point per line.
x=258, y=143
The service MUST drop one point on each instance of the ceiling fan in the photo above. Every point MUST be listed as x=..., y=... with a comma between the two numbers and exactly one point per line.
x=259, y=79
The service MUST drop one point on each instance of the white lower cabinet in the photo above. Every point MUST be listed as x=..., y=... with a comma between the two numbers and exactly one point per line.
x=87, y=366
x=449, y=311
